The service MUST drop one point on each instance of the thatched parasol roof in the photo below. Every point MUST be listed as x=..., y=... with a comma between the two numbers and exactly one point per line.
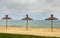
x=27, y=18
x=51, y=18
x=6, y=17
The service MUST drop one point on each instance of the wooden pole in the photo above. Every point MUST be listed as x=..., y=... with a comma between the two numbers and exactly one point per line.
x=6, y=23
x=51, y=25
x=27, y=25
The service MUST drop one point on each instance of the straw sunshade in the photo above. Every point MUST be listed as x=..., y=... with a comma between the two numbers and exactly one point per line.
x=6, y=18
x=51, y=18
x=27, y=18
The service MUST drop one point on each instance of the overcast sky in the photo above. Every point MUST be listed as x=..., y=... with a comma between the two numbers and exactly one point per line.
x=36, y=9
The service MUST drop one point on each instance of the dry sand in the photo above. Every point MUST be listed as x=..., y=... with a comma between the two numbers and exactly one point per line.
x=31, y=31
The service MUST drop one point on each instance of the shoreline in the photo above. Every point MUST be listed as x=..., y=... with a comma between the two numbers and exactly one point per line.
x=31, y=31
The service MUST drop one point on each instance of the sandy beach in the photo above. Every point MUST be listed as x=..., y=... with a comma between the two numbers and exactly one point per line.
x=31, y=31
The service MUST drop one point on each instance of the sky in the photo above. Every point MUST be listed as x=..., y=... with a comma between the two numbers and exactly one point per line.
x=36, y=9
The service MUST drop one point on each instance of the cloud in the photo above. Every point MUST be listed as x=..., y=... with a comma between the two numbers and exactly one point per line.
x=22, y=1
x=31, y=7
x=5, y=10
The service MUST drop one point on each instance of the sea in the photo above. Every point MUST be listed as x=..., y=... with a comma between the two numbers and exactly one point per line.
x=31, y=23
